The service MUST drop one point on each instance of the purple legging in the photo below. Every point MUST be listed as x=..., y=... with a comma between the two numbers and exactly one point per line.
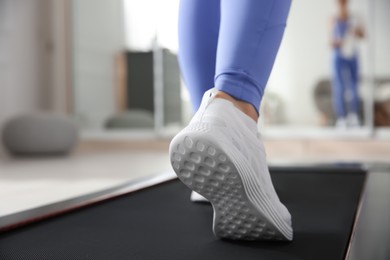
x=230, y=45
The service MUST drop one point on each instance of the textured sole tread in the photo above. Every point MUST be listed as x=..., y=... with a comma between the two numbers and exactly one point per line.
x=205, y=168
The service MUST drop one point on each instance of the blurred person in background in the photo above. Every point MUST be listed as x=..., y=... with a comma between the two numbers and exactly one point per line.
x=346, y=31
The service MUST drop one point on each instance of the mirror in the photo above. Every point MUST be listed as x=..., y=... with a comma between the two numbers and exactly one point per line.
x=309, y=72
x=126, y=76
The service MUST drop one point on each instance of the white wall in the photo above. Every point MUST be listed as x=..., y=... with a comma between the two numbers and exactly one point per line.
x=23, y=58
x=33, y=58
x=98, y=35
x=149, y=20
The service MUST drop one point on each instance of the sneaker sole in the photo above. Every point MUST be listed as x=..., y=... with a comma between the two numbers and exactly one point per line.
x=205, y=168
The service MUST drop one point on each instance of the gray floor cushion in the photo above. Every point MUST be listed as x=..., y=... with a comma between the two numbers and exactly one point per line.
x=40, y=133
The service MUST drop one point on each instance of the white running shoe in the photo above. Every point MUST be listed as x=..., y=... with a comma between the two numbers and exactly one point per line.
x=196, y=197
x=341, y=123
x=353, y=120
x=220, y=155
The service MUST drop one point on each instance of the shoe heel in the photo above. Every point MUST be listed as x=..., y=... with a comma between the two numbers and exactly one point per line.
x=204, y=168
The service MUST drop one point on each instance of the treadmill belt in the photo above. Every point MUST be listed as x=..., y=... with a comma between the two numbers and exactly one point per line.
x=160, y=222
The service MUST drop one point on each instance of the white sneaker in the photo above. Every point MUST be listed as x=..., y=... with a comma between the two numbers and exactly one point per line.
x=220, y=155
x=341, y=123
x=196, y=197
x=353, y=120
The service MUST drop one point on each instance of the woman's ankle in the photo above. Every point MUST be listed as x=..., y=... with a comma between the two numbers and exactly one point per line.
x=245, y=107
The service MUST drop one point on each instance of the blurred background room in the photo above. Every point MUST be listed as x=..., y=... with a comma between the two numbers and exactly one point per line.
x=91, y=94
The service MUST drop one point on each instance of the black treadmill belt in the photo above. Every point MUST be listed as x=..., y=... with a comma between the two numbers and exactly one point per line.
x=161, y=223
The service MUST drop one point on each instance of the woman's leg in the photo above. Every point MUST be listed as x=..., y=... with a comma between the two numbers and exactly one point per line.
x=198, y=37
x=249, y=39
x=220, y=154
x=354, y=77
x=338, y=89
